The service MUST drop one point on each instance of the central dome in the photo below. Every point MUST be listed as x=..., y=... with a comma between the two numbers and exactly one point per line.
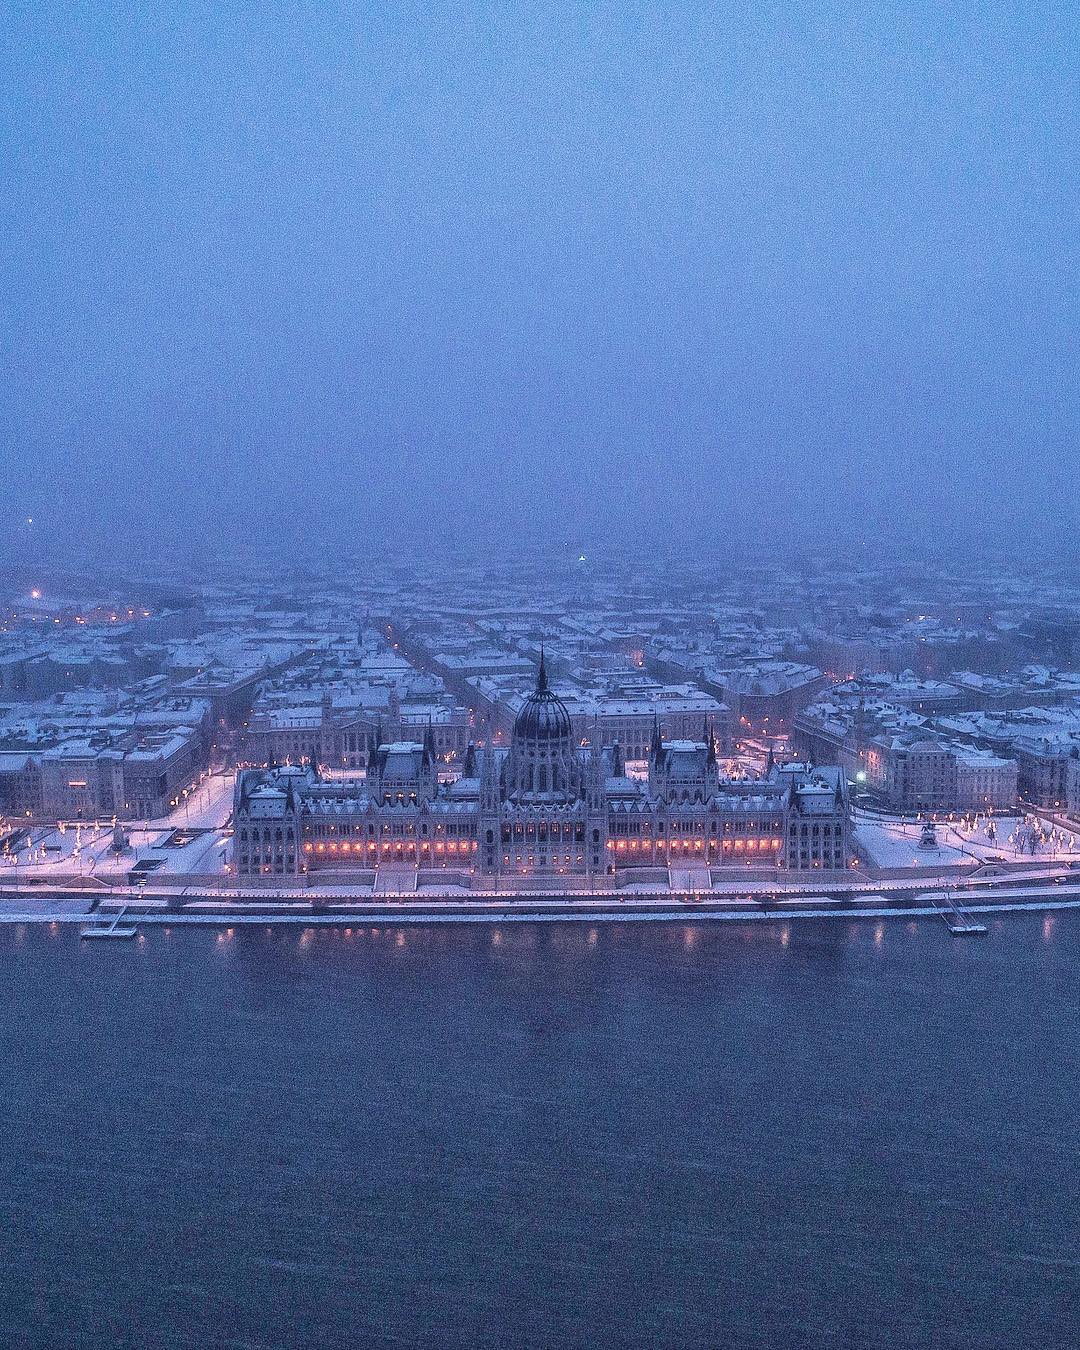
x=543, y=715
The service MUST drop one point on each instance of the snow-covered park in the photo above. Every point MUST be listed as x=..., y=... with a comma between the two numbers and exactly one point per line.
x=963, y=841
x=189, y=840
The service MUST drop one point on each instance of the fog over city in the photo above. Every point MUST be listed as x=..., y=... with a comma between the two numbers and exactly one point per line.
x=440, y=275
x=539, y=674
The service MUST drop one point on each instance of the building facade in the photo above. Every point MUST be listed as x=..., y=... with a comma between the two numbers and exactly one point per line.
x=134, y=764
x=916, y=773
x=985, y=781
x=335, y=730
x=912, y=773
x=545, y=806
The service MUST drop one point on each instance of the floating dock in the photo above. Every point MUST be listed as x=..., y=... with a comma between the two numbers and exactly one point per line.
x=116, y=929
x=960, y=923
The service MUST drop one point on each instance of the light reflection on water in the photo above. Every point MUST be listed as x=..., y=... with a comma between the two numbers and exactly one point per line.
x=425, y=1131
x=572, y=937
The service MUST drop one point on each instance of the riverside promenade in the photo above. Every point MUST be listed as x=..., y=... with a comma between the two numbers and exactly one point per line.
x=177, y=868
x=910, y=898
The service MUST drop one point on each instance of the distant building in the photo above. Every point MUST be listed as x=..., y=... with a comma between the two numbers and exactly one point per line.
x=984, y=781
x=138, y=776
x=627, y=712
x=332, y=727
x=765, y=696
x=1044, y=763
x=92, y=755
x=1072, y=783
x=915, y=773
x=316, y=728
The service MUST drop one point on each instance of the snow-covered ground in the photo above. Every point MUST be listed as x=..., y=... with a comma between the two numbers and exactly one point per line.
x=890, y=845
x=207, y=807
x=964, y=843
x=87, y=848
x=63, y=850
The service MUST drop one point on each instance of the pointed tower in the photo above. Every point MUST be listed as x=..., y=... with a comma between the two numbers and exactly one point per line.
x=374, y=776
x=596, y=809
x=468, y=768
x=594, y=777
x=325, y=749
x=858, y=725
x=543, y=761
x=489, y=779
x=429, y=772
x=656, y=760
x=489, y=821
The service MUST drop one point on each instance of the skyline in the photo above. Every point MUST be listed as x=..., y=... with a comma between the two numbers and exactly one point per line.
x=786, y=280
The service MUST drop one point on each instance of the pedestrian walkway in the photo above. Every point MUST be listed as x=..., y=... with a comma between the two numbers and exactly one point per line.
x=693, y=878
x=394, y=880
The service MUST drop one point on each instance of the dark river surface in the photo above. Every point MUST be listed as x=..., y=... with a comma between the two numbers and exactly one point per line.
x=825, y=1133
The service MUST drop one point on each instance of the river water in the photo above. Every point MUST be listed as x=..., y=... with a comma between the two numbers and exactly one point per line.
x=822, y=1133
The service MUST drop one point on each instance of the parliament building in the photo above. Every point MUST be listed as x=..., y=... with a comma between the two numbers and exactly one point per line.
x=546, y=806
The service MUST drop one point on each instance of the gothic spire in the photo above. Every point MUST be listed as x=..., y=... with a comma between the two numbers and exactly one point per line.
x=489, y=777
x=541, y=678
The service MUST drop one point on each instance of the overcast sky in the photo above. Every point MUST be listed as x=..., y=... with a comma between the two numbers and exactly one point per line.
x=709, y=272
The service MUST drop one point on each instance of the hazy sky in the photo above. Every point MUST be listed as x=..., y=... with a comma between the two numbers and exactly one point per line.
x=713, y=272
